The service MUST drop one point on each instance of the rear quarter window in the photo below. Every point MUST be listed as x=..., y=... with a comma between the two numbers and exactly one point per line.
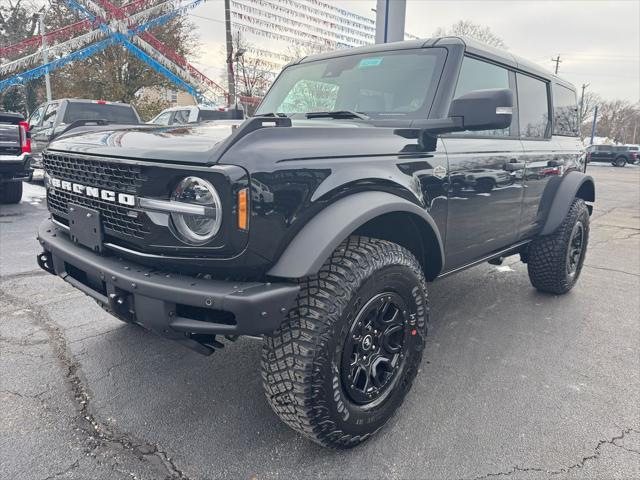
x=533, y=107
x=96, y=111
x=565, y=111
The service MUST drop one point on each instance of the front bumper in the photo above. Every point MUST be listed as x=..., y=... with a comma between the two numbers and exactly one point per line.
x=184, y=308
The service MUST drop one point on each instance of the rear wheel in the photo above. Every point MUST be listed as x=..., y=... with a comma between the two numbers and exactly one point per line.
x=485, y=185
x=11, y=192
x=620, y=162
x=555, y=261
x=344, y=359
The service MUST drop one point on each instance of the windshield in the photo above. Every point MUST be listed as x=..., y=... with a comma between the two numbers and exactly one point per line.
x=394, y=84
x=100, y=111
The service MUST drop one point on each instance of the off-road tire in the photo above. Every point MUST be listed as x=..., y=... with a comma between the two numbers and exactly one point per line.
x=620, y=162
x=547, y=255
x=301, y=360
x=11, y=192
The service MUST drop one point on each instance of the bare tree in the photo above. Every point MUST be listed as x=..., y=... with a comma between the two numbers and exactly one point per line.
x=18, y=21
x=617, y=119
x=586, y=106
x=253, y=74
x=466, y=28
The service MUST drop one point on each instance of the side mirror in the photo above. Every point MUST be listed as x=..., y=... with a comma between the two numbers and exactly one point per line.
x=484, y=109
x=477, y=110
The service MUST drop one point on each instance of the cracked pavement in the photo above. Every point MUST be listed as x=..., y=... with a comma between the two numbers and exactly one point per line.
x=514, y=384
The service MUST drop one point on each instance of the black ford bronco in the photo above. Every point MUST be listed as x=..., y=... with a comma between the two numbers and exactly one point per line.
x=317, y=223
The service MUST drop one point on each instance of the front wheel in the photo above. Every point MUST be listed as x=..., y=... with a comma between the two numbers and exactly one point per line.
x=343, y=360
x=555, y=261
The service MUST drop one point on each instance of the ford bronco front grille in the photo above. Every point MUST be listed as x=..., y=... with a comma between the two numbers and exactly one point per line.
x=120, y=177
x=117, y=220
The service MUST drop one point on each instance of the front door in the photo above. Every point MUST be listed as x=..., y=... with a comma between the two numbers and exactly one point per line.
x=486, y=172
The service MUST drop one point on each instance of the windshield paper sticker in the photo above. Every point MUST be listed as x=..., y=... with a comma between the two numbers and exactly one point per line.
x=370, y=62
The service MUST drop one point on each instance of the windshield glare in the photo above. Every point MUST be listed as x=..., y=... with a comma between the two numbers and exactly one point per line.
x=391, y=84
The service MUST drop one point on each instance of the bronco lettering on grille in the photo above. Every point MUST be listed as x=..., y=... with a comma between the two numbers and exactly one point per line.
x=99, y=193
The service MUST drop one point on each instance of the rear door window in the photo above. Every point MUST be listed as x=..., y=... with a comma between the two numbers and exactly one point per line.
x=180, y=118
x=50, y=114
x=565, y=111
x=533, y=107
x=480, y=75
x=100, y=111
x=36, y=117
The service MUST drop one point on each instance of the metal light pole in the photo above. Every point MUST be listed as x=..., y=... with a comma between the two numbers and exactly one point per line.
x=390, y=19
x=45, y=56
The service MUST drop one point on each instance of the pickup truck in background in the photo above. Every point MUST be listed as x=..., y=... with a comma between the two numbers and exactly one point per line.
x=15, y=156
x=51, y=119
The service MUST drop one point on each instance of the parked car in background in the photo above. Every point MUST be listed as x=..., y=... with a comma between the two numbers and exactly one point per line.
x=15, y=157
x=618, y=155
x=53, y=118
x=196, y=114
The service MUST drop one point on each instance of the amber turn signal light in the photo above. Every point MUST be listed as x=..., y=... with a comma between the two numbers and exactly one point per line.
x=243, y=209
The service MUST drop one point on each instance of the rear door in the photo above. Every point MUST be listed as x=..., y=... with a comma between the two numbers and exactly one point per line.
x=541, y=153
x=485, y=176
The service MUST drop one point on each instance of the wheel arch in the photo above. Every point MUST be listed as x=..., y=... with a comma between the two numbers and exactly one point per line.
x=377, y=214
x=573, y=185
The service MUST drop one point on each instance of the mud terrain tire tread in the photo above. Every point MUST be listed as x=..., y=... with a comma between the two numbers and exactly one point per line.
x=293, y=353
x=547, y=254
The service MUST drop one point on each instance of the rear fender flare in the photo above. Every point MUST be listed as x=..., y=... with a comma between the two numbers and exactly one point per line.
x=573, y=184
x=310, y=248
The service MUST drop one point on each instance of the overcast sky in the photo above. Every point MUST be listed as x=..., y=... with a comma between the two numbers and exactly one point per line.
x=598, y=41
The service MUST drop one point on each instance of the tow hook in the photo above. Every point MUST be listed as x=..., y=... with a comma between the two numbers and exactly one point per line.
x=45, y=262
x=120, y=304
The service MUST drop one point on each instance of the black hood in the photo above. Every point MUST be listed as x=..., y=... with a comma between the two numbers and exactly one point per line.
x=205, y=144
x=191, y=144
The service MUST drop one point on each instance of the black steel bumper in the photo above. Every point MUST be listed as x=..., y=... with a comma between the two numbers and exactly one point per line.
x=183, y=308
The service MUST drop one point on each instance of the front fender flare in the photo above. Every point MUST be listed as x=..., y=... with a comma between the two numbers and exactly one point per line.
x=569, y=188
x=321, y=235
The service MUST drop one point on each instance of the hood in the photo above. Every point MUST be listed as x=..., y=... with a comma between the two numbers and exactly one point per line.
x=196, y=144
x=205, y=143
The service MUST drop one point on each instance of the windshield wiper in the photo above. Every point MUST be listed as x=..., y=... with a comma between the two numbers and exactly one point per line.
x=339, y=114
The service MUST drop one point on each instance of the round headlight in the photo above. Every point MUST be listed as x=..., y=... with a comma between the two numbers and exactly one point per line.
x=198, y=220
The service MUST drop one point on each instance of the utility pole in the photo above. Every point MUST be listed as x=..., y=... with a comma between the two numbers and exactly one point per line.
x=581, y=113
x=45, y=55
x=635, y=129
x=593, y=125
x=231, y=80
x=557, y=62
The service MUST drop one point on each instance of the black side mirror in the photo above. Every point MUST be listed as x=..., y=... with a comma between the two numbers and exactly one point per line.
x=484, y=109
x=477, y=110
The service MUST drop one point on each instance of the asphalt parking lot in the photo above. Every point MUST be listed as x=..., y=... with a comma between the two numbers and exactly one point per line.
x=514, y=384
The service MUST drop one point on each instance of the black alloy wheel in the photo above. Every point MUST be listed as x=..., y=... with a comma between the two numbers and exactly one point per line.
x=576, y=249
x=373, y=352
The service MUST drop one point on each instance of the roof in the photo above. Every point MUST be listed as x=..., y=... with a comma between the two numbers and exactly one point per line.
x=471, y=45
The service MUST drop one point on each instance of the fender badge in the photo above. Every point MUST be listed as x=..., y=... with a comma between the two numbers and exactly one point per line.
x=439, y=172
